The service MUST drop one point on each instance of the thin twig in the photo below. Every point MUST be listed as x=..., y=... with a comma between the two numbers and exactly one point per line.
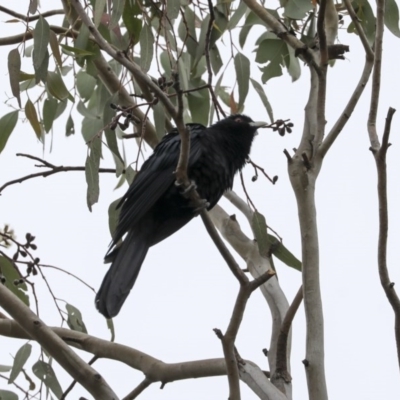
x=387, y=285
x=138, y=389
x=376, y=75
x=28, y=18
x=281, y=371
x=54, y=169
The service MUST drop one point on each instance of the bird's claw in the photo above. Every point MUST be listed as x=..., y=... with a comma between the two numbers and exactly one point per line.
x=201, y=205
x=192, y=186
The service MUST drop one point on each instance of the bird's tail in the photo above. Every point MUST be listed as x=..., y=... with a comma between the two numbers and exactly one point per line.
x=120, y=278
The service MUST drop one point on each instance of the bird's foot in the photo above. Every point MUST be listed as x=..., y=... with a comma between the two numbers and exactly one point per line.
x=192, y=186
x=201, y=204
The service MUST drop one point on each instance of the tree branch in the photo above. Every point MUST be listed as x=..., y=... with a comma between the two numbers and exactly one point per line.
x=376, y=75
x=90, y=379
x=387, y=285
x=155, y=370
x=138, y=389
x=53, y=170
x=28, y=18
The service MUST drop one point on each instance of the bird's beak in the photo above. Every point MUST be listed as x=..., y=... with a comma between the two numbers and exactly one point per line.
x=258, y=124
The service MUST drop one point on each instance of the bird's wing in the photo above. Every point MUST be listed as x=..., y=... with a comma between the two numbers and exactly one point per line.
x=154, y=178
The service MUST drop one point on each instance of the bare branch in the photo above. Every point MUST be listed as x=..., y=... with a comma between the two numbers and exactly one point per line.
x=90, y=379
x=53, y=170
x=155, y=370
x=30, y=18
x=282, y=372
x=376, y=76
x=387, y=285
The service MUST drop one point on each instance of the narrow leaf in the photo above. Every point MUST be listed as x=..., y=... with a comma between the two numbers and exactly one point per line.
x=19, y=361
x=283, y=254
x=118, y=8
x=260, y=90
x=297, y=9
x=41, y=35
x=49, y=113
x=242, y=67
x=7, y=395
x=69, y=127
x=55, y=48
x=75, y=320
x=98, y=11
x=110, y=326
x=7, y=125
x=237, y=15
x=392, y=17
x=14, y=70
x=85, y=84
x=5, y=368
x=45, y=373
x=259, y=226
x=92, y=173
x=31, y=114
x=56, y=87
x=146, y=47
x=11, y=274
x=113, y=216
x=173, y=7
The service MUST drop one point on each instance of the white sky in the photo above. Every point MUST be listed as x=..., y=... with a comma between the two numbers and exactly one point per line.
x=185, y=289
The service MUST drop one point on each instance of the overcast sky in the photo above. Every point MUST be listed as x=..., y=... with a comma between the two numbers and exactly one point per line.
x=185, y=289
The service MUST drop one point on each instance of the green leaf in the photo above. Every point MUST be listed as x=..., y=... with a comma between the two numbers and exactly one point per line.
x=41, y=36
x=61, y=106
x=110, y=326
x=271, y=50
x=173, y=7
x=92, y=172
x=190, y=36
x=199, y=106
x=259, y=226
x=7, y=125
x=85, y=84
x=5, y=368
x=159, y=119
x=69, y=127
x=215, y=58
x=11, y=274
x=14, y=70
x=272, y=70
x=297, y=9
x=283, y=254
x=56, y=87
x=118, y=8
x=75, y=320
x=45, y=373
x=292, y=64
x=260, y=90
x=19, y=361
x=130, y=175
x=113, y=216
x=132, y=23
x=7, y=395
x=76, y=50
x=242, y=67
x=98, y=11
x=49, y=113
x=367, y=19
x=237, y=15
x=146, y=47
x=392, y=17
x=55, y=48
x=31, y=115
x=41, y=72
x=111, y=137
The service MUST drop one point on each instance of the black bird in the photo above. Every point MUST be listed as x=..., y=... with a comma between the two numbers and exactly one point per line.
x=154, y=207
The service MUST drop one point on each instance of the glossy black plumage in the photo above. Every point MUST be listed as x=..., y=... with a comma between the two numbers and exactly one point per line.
x=153, y=207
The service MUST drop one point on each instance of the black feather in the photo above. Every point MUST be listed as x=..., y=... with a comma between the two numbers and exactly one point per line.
x=153, y=207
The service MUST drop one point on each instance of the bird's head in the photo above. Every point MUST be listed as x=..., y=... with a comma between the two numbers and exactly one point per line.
x=240, y=122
